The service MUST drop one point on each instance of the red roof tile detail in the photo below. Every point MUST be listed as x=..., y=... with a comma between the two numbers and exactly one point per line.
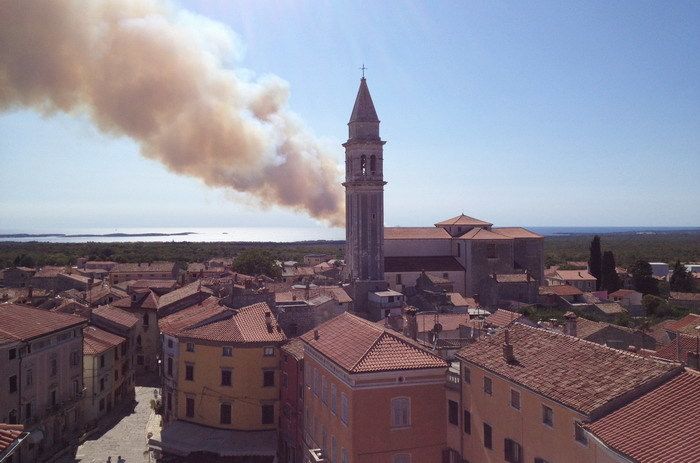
x=415, y=233
x=464, y=220
x=114, y=315
x=579, y=374
x=662, y=426
x=561, y=290
x=97, y=341
x=516, y=232
x=183, y=319
x=146, y=301
x=575, y=275
x=24, y=323
x=449, y=321
x=677, y=350
x=360, y=346
x=422, y=263
x=483, y=234
x=247, y=324
x=686, y=324
x=182, y=293
x=8, y=434
x=144, y=267
x=502, y=318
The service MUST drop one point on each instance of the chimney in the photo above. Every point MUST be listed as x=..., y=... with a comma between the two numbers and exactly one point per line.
x=306, y=292
x=316, y=335
x=508, y=355
x=410, y=326
x=570, y=324
x=268, y=321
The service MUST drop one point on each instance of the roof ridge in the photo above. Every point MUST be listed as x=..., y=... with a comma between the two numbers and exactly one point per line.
x=371, y=347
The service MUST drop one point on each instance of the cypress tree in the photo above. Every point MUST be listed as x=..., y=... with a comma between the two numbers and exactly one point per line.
x=681, y=280
x=609, y=280
x=642, y=278
x=595, y=261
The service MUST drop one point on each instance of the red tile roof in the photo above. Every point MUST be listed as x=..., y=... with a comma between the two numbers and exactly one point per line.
x=97, y=341
x=147, y=301
x=677, y=350
x=483, y=234
x=415, y=233
x=422, y=263
x=449, y=321
x=662, y=426
x=578, y=275
x=686, y=324
x=25, y=323
x=516, y=232
x=512, y=278
x=502, y=318
x=8, y=434
x=115, y=315
x=561, y=290
x=152, y=284
x=610, y=308
x=685, y=296
x=462, y=219
x=576, y=373
x=174, y=323
x=623, y=293
x=182, y=293
x=144, y=267
x=360, y=346
x=295, y=348
x=246, y=325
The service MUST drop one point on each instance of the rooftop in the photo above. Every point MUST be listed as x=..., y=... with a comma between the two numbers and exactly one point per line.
x=611, y=308
x=25, y=323
x=463, y=220
x=483, y=234
x=97, y=341
x=677, y=350
x=191, y=316
x=673, y=435
x=360, y=346
x=295, y=348
x=182, y=293
x=561, y=290
x=688, y=324
x=9, y=433
x=131, y=267
x=516, y=232
x=576, y=373
x=117, y=316
x=502, y=318
x=579, y=275
x=415, y=233
x=363, y=111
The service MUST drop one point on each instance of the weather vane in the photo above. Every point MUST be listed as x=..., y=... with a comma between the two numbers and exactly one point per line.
x=363, y=68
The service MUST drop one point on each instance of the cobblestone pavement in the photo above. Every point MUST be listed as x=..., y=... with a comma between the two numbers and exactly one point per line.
x=125, y=439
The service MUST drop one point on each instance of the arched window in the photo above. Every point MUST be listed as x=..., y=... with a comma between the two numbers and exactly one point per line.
x=363, y=165
x=373, y=164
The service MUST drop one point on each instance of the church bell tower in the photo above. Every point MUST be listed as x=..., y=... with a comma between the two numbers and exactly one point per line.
x=364, y=199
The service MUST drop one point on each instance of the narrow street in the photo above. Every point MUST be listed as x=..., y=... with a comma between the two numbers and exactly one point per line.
x=125, y=439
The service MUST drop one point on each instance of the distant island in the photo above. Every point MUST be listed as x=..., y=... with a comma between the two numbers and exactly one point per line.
x=87, y=235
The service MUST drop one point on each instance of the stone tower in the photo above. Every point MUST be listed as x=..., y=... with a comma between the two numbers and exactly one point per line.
x=364, y=199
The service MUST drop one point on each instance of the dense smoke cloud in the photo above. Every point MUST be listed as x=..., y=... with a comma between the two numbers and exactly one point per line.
x=159, y=75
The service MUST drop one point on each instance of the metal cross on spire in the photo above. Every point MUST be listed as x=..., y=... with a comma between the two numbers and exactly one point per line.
x=363, y=68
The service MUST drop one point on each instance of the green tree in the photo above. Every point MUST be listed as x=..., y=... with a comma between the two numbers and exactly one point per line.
x=595, y=260
x=609, y=280
x=642, y=278
x=24, y=260
x=681, y=279
x=655, y=306
x=257, y=262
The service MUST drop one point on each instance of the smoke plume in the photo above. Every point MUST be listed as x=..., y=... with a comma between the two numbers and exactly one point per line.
x=161, y=76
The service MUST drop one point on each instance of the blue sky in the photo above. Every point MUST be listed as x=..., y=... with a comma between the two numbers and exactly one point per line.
x=535, y=114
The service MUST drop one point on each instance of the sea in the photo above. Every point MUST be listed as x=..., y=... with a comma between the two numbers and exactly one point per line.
x=259, y=234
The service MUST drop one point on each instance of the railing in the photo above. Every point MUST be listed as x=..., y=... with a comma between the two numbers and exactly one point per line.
x=453, y=380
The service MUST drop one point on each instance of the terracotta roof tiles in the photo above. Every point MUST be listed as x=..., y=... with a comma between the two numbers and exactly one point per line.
x=677, y=350
x=415, y=233
x=115, y=315
x=24, y=323
x=516, y=232
x=183, y=319
x=662, y=426
x=97, y=341
x=360, y=346
x=687, y=324
x=578, y=374
x=182, y=293
x=561, y=290
x=463, y=220
x=483, y=234
x=9, y=433
x=502, y=318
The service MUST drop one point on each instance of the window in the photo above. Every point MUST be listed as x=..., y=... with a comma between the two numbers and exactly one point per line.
x=515, y=399
x=102, y=361
x=27, y=412
x=189, y=407
x=401, y=458
x=317, y=382
x=190, y=347
x=467, y=375
x=269, y=352
x=400, y=412
x=146, y=321
x=169, y=401
x=124, y=348
x=102, y=384
x=52, y=397
x=453, y=412
x=116, y=375
x=170, y=343
x=13, y=384
x=12, y=354
x=170, y=366
x=227, y=351
x=75, y=358
x=225, y=414
x=344, y=457
x=268, y=414
x=139, y=360
x=398, y=278
x=491, y=251
x=334, y=450
x=28, y=377
x=226, y=378
x=102, y=404
x=580, y=434
x=467, y=422
x=285, y=380
x=513, y=452
x=446, y=275
x=189, y=372
x=547, y=416
x=268, y=378
x=334, y=399
x=53, y=363
x=488, y=386
x=488, y=438
x=324, y=390
x=344, y=408
x=138, y=340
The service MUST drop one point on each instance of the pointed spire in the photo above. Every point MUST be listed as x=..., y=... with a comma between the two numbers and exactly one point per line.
x=363, y=111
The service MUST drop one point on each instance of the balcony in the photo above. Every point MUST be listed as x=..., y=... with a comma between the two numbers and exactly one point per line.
x=453, y=380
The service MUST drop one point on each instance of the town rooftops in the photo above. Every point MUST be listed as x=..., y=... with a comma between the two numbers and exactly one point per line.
x=295, y=348
x=560, y=290
x=575, y=275
x=422, y=263
x=360, y=346
x=252, y=324
x=116, y=316
x=147, y=300
x=24, y=323
x=483, y=234
x=97, y=341
x=678, y=349
x=415, y=233
x=516, y=232
x=610, y=308
x=579, y=374
x=688, y=324
x=182, y=293
x=502, y=318
x=660, y=426
x=151, y=284
x=191, y=316
x=463, y=220
x=449, y=321
x=144, y=267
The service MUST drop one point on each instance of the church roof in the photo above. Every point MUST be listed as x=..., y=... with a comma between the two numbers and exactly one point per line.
x=462, y=219
x=483, y=234
x=363, y=111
